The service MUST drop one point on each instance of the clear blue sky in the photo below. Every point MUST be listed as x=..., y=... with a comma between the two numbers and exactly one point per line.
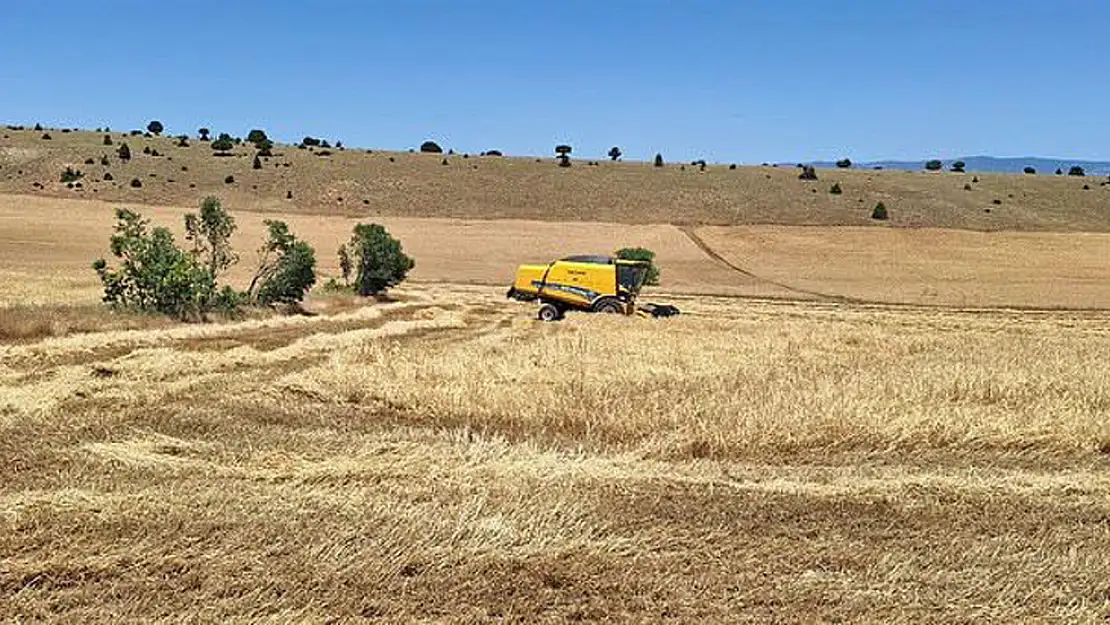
x=725, y=80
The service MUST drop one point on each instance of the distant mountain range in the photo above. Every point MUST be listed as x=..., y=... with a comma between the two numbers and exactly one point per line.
x=991, y=164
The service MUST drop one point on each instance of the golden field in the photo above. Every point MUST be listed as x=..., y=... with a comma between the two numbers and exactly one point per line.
x=905, y=423
x=445, y=458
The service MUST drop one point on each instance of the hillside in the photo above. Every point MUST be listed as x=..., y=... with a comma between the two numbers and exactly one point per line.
x=362, y=184
x=993, y=164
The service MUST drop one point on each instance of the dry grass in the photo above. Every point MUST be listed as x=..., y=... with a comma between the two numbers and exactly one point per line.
x=445, y=458
x=28, y=322
x=356, y=184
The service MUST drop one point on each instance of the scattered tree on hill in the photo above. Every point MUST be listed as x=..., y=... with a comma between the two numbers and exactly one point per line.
x=136, y=183
x=809, y=172
x=107, y=139
x=256, y=136
x=880, y=212
x=563, y=150
x=1076, y=170
x=564, y=160
x=146, y=149
x=223, y=145
x=642, y=254
x=124, y=152
x=1059, y=172
x=257, y=162
x=286, y=268
x=204, y=132
x=379, y=261
x=265, y=147
x=229, y=180
x=614, y=153
x=958, y=167
x=183, y=141
x=46, y=136
x=492, y=153
x=71, y=175
x=108, y=176
x=1029, y=170
x=835, y=189
x=934, y=165
x=38, y=127
x=155, y=127
x=658, y=160
x=310, y=141
x=431, y=147
x=844, y=163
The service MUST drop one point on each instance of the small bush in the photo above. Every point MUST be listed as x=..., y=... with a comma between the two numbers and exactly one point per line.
x=492, y=153
x=1059, y=172
x=732, y=166
x=564, y=160
x=38, y=127
x=124, y=152
x=444, y=162
x=146, y=150
x=1086, y=187
x=958, y=167
x=844, y=163
x=90, y=161
x=108, y=176
x=996, y=202
x=107, y=139
x=265, y=147
x=155, y=127
x=1076, y=170
x=880, y=212
x=71, y=175
x=431, y=147
x=835, y=189
x=1029, y=170
x=288, y=195
x=183, y=141
x=658, y=160
x=257, y=162
x=967, y=187
x=934, y=165
x=136, y=183
x=229, y=180
x=975, y=180
x=223, y=145
x=46, y=137
x=808, y=173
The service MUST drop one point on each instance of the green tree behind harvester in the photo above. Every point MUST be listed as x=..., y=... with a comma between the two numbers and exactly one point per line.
x=642, y=254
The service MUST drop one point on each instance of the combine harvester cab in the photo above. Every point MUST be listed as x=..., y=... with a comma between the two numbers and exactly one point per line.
x=587, y=283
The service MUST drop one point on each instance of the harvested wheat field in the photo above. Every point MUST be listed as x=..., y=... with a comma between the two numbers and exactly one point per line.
x=443, y=457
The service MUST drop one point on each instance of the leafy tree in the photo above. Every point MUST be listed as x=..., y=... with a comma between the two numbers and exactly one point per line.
x=124, y=152
x=223, y=144
x=1030, y=170
x=658, y=160
x=155, y=127
x=614, y=153
x=153, y=274
x=210, y=233
x=265, y=147
x=431, y=147
x=1076, y=170
x=958, y=167
x=836, y=190
x=379, y=261
x=934, y=165
x=880, y=212
x=1059, y=172
x=844, y=163
x=642, y=254
x=204, y=132
x=309, y=141
x=563, y=150
x=256, y=136
x=107, y=139
x=286, y=267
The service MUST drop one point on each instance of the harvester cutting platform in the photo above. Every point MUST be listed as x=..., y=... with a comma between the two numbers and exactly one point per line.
x=587, y=283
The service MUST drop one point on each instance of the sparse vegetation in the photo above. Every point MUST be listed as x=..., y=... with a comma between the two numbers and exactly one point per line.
x=136, y=183
x=204, y=132
x=107, y=140
x=223, y=144
x=124, y=152
x=958, y=167
x=230, y=179
x=430, y=147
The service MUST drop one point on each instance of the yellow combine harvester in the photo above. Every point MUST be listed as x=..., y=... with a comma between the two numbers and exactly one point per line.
x=588, y=283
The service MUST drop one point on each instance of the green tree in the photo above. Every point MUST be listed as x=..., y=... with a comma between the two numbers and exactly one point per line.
x=223, y=144
x=265, y=147
x=614, y=153
x=124, y=152
x=844, y=163
x=880, y=212
x=286, y=267
x=155, y=127
x=256, y=136
x=958, y=167
x=835, y=189
x=934, y=165
x=1076, y=170
x=642, y=254
x=430, y=147
x=204, y=132
x=210, y=233
x=379, y=261
x=153, y=274
x=658, y=160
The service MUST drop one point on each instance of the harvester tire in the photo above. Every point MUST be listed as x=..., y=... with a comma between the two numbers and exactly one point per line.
x=609, y=306
x=550, y=312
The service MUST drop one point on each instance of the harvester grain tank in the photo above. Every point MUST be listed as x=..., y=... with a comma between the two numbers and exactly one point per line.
x=586, y=283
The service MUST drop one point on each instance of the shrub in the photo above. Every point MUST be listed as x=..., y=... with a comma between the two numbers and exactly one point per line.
x=492, y=153
x=975, y=180
x=642, y=254
x=155, y=127
x=89, y=161
x=229, y=180
x=934, y=165
x=431, y=147
x=880, y=212
x=1059, y=172
x=107, y=139
x=1076, y=170
x=38, y=127
x=379, y=261
x=146, y=149
x=104, y=161
x=203, y=132
x=256, y=136
x=658, y=160
x=46, y=137
x=967, y=187
x=958, y=167
x=183, y=141
x=124, y=152
x=286, y=268
x=108, y=176
x=223, y=145
x=309, y=141
x=732, y=167
x=808, y=173
x=136, y=183
x=265, y=147
x=444, y=162
x=835, y=189
x=71, y=175
x=844, y=163
x=1030, y=170
x=257, y=162
x=288, y=195
x=996, y=202
x=1086, y=187
x=614, y=153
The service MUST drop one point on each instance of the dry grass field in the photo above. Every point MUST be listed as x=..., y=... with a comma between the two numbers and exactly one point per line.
x=356, y=184
x=445, y=458
x=901, y=424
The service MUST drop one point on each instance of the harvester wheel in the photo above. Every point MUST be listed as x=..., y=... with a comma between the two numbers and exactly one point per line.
x=550, y=312
x=609, y=306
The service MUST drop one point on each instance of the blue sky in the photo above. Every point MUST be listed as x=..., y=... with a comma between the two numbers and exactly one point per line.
x=729, y=81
